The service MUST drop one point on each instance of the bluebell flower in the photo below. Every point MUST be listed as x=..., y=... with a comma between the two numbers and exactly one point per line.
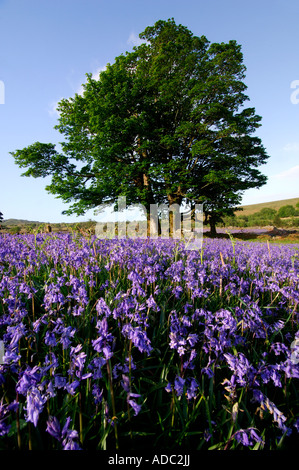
x=192, y=388
x=133, y=403
x=4, y=414
x=34, y=404
x=138, y=337
x=60, y=382
x=247, y=437
x=105, y=338
x=53, y=427
x=97, y=393
x=95, y=366
x=151, y=303
x=125, y=383
x=50, y=339
x=66, y=436
x=71, y=387
x=266, y=404
x=15, y=333
x=179, y=384
x=29, y=378
x=102, y=308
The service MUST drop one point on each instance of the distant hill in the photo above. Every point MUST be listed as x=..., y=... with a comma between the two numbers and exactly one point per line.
x=252, y=208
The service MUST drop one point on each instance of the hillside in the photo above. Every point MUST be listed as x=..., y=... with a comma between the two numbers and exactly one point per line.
x=19, y=222
x=252, y=208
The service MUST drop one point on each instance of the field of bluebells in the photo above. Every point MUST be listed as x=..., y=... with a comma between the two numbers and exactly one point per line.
x=144, y=344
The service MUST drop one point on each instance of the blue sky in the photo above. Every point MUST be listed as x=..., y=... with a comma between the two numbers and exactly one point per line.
x=47, y=47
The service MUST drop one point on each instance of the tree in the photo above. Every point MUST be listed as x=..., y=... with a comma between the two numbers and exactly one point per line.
x=1, y=218
x=277, y=222
x=267, y=212
x=162, y=124
x=286, y=211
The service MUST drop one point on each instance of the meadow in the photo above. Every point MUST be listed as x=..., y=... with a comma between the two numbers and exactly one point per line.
x=143, y=344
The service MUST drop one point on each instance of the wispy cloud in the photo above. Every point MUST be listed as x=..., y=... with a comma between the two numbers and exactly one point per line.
x=52, y=109
x=291, y=173
x=135, y=40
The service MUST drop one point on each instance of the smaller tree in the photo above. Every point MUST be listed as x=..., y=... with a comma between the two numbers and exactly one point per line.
x=1, y=218
x=267, y=213
x=264, y=217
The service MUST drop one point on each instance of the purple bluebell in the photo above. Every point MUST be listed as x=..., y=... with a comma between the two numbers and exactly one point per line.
x=138, y=337
x=192, y=388
x=268, y=405
x=29, y=379
x=179, y=384
x=67, y=436
x=34, y=404
x=104, y=339
x=247, y=437
x=4, y=415
x=133, y=403
x=53, y=427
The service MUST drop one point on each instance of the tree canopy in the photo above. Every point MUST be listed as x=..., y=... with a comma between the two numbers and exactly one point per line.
x=287, y=211
x=165, y=123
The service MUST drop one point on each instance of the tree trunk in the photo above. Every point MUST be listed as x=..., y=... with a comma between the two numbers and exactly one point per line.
x=174, y=219
x=213, y=227
x=153, y=222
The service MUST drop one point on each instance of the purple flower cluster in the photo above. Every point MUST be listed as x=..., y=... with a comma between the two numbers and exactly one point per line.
x=67, y=437
x=103, y=326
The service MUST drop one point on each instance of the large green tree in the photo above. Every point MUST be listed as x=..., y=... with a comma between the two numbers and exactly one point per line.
x=165, y=123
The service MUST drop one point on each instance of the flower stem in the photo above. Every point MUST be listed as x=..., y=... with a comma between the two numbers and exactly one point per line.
x=18, y=425
x=113, y=403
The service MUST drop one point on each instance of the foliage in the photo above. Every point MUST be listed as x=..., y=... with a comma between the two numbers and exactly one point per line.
x=143, y=344
x=266, y=216
x=277, y=221
x=287, y=211
x=16, y=229
x=166, y=123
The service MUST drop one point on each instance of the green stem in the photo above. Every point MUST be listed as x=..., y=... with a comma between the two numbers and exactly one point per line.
x=80, y=418
x=130, y=370
x=30, y=437
x=18, y=425
x=114, y=418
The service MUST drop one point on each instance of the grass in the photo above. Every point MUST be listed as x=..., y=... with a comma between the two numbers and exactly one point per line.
x=252, y=208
